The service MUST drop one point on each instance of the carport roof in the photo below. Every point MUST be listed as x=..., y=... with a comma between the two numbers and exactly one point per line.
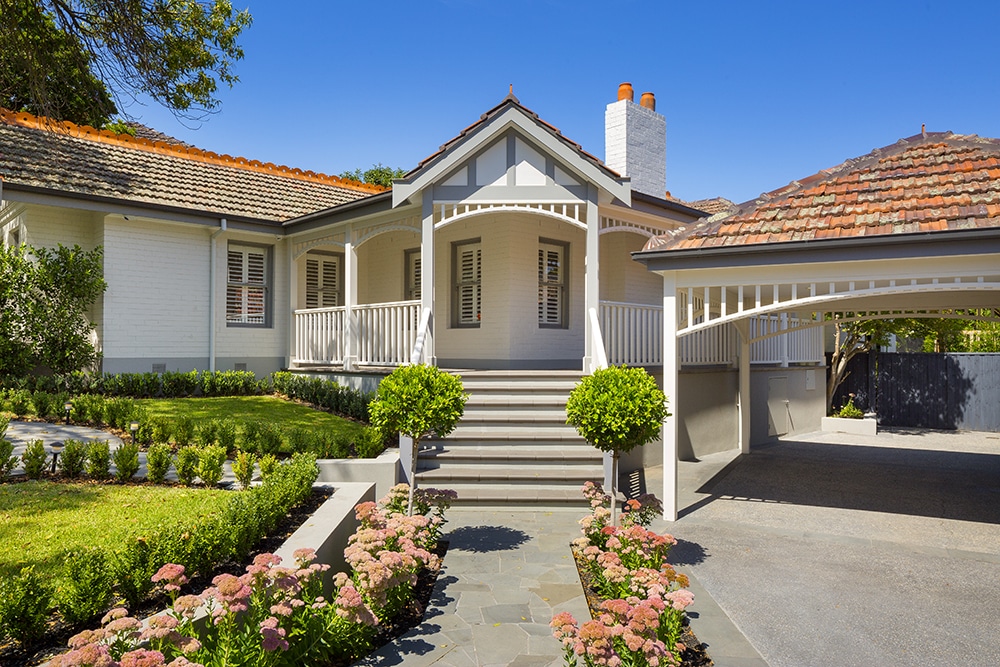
x=930, y=182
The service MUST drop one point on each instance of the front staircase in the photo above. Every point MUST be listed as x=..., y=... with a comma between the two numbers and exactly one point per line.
x=513, y=446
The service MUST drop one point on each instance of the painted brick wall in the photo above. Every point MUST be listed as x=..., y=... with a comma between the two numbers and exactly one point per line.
x=622, y=278
x=635, y=145
x=381, y=267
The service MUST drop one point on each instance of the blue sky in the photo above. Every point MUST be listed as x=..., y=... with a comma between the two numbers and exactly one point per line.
x=755, y=94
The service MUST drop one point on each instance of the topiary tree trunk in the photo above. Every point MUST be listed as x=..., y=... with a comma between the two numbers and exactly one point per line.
x=616, y=410
x=417, y=400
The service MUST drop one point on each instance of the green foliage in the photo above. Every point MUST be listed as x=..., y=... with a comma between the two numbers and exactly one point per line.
x=232, y=383
x=42, y=400
x=88, y=408
x=126, y=458
x=86, y=589
x=160, y=429
x=183, y=431
x=226, y=433
x=45, y=302
x=617, y=409
x=186, y=465
x=300, y=440
x=849, y=410
x=332, y=445
x=34, y=459
x=210, y=462
x=175, y=52
x=179, y=384
x=417, y=400
x=158, y=459
x=262, y=437
x=369, y=444
x=323, y=393
x=99, y=459
x=243, y=468
x=208, y=432
x=73, y=458
x=119, y=412
x=46, y=70
x=119, y=126
x=379, y=174
x=7, y=459
x=268, y=464
x=20, y=402
x=24, y=605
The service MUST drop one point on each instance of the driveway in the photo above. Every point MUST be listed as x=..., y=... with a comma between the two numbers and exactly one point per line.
x=831, y=549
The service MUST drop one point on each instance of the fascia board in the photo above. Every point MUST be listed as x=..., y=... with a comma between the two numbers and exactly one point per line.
x=495, y=127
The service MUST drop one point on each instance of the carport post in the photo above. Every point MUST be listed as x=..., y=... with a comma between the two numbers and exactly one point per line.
x=743, y=328
x=669, y=429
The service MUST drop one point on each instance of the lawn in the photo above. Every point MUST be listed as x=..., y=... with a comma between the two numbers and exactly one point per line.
x=40, y=520
x=286, y=414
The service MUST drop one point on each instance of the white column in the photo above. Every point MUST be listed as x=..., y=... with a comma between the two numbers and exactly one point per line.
x=293, y=301
x=670, y=368
x=743, y=405
x=428, y=288
x=351, y=342
x=591, y=289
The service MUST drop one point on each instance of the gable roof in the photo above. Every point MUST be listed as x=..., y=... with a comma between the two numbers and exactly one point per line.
x=931, y=182
x=39, y=155
x=473, y=137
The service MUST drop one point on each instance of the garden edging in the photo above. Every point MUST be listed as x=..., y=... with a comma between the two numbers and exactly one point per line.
x=866, y=426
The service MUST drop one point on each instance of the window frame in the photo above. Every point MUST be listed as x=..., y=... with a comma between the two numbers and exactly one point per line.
x=267, y=271
x=562, y=285
x=412, y=280
x=338, y=291
x=457, y=284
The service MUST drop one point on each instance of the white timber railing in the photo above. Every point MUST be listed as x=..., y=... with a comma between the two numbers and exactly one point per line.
x=785, y=343
x=320, y=335
x=633, y=333
x=387, y=332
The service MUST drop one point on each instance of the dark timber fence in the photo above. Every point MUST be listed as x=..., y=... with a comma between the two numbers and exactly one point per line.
x=926, y=390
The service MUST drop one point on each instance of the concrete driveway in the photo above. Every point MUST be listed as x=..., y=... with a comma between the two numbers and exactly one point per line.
x=831, y=549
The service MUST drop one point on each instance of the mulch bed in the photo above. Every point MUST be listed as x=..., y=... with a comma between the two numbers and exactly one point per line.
x=694, y=654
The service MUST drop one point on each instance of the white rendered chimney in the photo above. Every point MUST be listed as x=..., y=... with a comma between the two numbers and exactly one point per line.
x=635, y=142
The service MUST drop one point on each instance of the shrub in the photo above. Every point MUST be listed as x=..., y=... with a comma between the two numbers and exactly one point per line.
x=183, y=431
x=20, y=402
x=57, y=408
x=323, y=393
x=617, y=409
x=210, y=462
x=88, y=408
x=417, y=400
x=849, y=410
x=226, y=434
x=332, y=445
x=86, y=588
x=24, y=605
x=42, y=401
x=243, y=468
x=158, y=459
x=300, y=440
x=160, y=430
x=118, y=412
x=73, y=458
x=7, y=459
x=268, y=464
x=34, y=458
x=208, y=432
x=99, y=459
x=179, y=385
x=126, y=458
x=369, y=443
x=187, y=465
x=264, y=437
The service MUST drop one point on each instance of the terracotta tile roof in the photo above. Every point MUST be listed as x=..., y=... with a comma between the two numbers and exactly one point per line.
x=929, y=182
x=509, y=101
x=69, y=159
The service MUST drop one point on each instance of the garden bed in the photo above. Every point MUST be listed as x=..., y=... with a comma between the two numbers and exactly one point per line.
x=694, y=654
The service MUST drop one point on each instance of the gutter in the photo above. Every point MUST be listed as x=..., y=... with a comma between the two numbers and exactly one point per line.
x=223, y=226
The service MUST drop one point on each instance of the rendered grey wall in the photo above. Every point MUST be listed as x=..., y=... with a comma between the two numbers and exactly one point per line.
x=707, y=400
x=806, y=404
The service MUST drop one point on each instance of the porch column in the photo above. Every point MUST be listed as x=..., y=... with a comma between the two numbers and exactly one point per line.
x=293, y=302
x=427, y=285
x=670, y=368
x=350, y=300
x=743, y=400
x=591, y=289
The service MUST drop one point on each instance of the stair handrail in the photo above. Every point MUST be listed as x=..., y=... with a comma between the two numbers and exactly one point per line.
x=599, y=356
x=418, y=346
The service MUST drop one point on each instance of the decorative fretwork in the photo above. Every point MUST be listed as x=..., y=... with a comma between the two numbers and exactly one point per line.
x=337, y=239
x=573, y=213
x=617, y=225
x=409, y=224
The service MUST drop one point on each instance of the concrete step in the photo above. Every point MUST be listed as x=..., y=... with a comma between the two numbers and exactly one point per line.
x=541, y=496
x=525, y=400
x=544, y=474
x=515, y=415
x=544, y=431
x=506, y=452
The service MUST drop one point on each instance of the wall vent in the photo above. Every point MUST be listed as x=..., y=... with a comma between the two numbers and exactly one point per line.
x=239, y=367
x=159, y=368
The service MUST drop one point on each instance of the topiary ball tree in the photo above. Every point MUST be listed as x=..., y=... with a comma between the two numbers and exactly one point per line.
x=617, y=409
x=417, y=400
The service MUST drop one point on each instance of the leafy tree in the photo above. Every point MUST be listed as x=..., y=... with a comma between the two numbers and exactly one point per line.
x=60, y=58
x=417, y=400
x=44, y=298
x=617, y=409
x=852, y=339
x=379, y=174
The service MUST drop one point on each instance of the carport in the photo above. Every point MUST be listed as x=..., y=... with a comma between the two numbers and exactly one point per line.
x=909, y=230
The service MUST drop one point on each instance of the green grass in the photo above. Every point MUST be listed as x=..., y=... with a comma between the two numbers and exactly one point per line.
x=286, y=414
x=40, y=520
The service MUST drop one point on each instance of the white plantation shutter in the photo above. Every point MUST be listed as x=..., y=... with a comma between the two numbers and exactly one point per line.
x=322, y=282
x=413, y=277
x=551, y=283
x=246, y=289
x=468, y=301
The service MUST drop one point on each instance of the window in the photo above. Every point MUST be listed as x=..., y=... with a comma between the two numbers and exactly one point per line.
x=14, y=237
x=247, y=286
x=467, y=304
x=413, y=276
x=323, y=281
x=551, y=284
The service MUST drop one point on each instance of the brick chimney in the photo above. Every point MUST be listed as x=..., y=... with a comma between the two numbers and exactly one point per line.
x=635, y=141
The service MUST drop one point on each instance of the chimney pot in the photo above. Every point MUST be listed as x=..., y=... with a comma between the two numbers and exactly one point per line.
x=625, y=92
x=648, y=100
